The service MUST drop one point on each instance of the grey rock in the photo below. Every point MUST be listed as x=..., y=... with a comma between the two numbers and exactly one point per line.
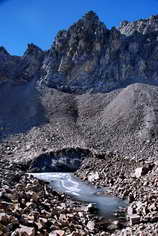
x=24, y=230
x=91, y=225
x=138, y=172
x=130, y=211
x=93, y=176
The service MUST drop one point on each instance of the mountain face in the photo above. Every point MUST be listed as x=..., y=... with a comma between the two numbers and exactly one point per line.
x=94, y=88
x=90, y=57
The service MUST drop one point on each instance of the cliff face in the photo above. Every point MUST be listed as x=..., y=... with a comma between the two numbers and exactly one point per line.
x=89, y=57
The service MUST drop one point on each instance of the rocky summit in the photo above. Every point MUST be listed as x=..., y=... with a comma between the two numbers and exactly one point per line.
x=89, y=103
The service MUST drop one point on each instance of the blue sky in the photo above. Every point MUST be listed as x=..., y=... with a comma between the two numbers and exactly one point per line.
x=38, y=21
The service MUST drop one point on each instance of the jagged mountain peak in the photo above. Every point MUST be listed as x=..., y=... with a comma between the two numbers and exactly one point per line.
x=89, y=23
x=91, y=15
x=88, y=29
x=89, y=18
x=89, y=57
x=32, y=49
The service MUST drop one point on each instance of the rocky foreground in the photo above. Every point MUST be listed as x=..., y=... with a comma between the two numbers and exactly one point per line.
x=136, y=181
x=29, y=207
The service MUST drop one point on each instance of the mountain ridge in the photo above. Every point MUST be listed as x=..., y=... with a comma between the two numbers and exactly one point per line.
x=90, y=57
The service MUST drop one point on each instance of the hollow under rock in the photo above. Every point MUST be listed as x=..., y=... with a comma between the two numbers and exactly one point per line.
x=63, y=160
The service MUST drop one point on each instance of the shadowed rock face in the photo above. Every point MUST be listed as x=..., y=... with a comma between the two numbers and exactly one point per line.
x=65, y=160
x=21, y=69
x=20, y=108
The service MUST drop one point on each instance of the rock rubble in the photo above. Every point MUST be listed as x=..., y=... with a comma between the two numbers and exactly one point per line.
x=30, y=207
x=134, y=181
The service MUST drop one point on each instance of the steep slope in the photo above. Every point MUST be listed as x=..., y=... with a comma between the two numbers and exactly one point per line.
x=123, y=120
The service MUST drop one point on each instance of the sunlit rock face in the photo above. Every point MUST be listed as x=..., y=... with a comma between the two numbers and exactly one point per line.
x=143, y=26
x=89, y=57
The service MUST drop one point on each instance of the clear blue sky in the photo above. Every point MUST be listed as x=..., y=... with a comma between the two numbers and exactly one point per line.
x=38, y=21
